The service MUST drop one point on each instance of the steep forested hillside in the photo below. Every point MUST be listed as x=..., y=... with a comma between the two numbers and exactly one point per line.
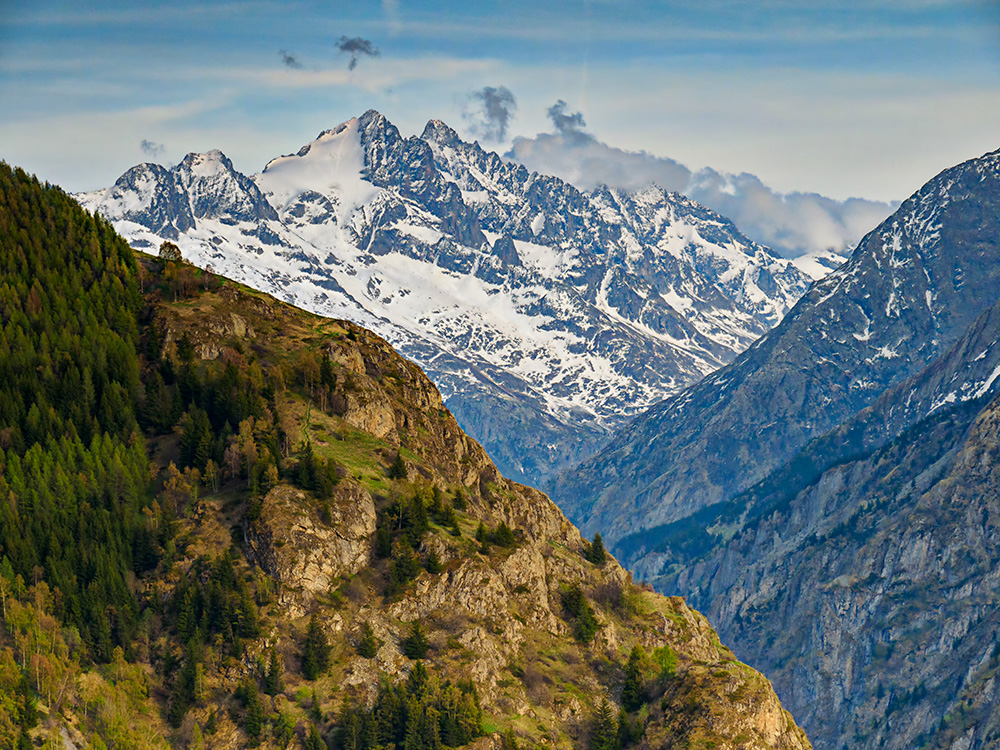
x=228, y=523
x=74, y=465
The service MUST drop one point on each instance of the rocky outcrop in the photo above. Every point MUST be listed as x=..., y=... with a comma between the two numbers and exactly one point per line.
x=306, y=548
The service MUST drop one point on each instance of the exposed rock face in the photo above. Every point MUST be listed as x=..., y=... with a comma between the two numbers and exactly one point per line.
x=870, y=598
x=494, y=614
x=306, y=554
x=547, y=316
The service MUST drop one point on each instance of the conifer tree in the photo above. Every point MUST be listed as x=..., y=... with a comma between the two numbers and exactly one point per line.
x=416, y=645
x=272, y=680
x=604, y=729
x=433, y=564
x=314, y=741
x=368, y=644
x=254, y=721
x=632, y=689
x=483, y=538
x=398, y=468
x=315, y=651
x=596, y=553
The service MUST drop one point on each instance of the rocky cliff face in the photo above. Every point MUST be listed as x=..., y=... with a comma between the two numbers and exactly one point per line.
x=547, y=316
x=493, y=613
x=870, y=595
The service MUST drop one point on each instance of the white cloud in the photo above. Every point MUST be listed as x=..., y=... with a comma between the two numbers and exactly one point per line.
x=589, y=163
x=792, y=224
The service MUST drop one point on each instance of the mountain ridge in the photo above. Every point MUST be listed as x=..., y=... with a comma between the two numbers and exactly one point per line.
x=833, y=353
x=267, y=530
x=519, y=294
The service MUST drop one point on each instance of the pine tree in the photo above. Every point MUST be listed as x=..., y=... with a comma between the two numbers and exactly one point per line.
x=632, y=692
x=483, y=538
x=596, y=553
x=368, y=644
x=416, y=645
x=254, y=720
x=315, y=651
x=627, y=733
x=272, y=680
x=314, y=741
x=433, y=564
x=398, y=468
x=604, y=729
x=315, y=710
x=416, y=683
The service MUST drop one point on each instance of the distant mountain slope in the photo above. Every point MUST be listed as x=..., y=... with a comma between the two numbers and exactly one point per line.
x=547, y=316
x=864, y=579
x=830, y=498
x=909, y=292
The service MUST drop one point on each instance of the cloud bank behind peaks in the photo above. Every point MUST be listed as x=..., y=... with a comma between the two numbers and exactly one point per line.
x=792, y=224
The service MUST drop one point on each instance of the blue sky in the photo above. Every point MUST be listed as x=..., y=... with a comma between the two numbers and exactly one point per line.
x=850, y=98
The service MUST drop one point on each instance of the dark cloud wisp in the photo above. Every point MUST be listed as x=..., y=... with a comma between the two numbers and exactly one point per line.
x=289, y=59
x=489, y=112
x=151, y=148
x=356, y=46
x=569, y=125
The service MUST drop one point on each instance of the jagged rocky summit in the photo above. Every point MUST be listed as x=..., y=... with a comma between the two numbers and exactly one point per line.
x=830, y=498
x=547, y=316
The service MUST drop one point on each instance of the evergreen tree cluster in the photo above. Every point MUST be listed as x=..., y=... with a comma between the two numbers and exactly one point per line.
x=315, y=474
x=579, y=612
x=211, y=606
x=214, y=601
x=399, y=533
x=228, y=423
x=418, y=714
x=73, y=470
x=502, y=536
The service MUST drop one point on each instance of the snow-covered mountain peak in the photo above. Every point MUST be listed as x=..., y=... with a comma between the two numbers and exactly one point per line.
x=329, y=167
x=547, y=316
x=209, y=164
x=437, y=132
